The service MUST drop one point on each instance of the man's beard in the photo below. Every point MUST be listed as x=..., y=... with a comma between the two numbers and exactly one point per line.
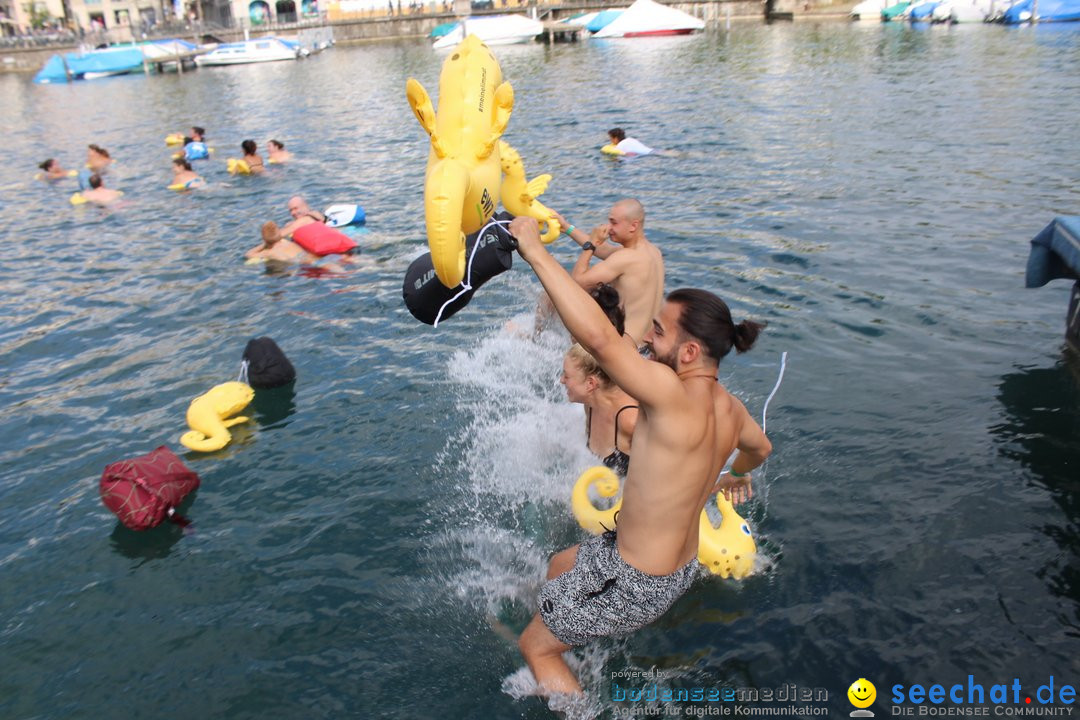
x=671, y=359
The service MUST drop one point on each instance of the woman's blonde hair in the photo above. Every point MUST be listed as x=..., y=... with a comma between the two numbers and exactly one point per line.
x=588, y=363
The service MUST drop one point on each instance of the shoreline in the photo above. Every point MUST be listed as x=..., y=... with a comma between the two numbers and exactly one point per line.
x=361, y=31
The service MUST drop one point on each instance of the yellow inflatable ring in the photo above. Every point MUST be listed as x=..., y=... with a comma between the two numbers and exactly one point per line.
x=78, y=199
x=611, y=150
x=728, y=550
x=237, y=167
x=463, y=176
x=588, y=515
x=174, y=139
x=210, y=416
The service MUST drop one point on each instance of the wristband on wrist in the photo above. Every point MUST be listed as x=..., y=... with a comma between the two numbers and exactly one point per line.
x=569, y=231
x=732, y=473
x=587, y=245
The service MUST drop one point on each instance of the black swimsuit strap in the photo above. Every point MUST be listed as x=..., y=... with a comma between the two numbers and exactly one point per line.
x=624, y=407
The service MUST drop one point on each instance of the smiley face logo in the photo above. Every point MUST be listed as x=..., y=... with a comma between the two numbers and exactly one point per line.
x=862, y=693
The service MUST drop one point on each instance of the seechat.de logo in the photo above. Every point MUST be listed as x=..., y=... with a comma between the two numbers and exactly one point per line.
x=862, y=694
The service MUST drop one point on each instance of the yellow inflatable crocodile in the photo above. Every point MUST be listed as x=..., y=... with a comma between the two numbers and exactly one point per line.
x=519, y=195
x=463, y=171
x=727, y=551
x=210, y=416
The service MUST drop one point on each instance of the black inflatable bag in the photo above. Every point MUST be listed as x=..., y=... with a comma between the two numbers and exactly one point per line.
x=425, y=295
x=267, y=365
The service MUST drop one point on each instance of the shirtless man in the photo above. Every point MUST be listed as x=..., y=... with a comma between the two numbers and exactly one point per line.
x=98, y=193
x=302, y=215
x=687, y=427
x=635, y=267
x=276, y=247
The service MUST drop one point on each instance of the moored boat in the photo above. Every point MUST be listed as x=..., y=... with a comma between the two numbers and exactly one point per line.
x=267, y=49
x=493, y=30
x=90, y=65
x=645, y=18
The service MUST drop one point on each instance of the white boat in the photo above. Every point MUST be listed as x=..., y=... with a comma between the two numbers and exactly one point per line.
x=493, y=30
x=645, y=18
x=869, y=10
x=963, y=11
x=266, y=49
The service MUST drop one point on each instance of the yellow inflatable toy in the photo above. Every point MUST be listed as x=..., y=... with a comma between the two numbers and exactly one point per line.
x=210, y=416
x=463, y=171
x=237, y=167
x=611, y=150
x=174, y=139
x=519, y=195
x=727, y=551
x=588, y=515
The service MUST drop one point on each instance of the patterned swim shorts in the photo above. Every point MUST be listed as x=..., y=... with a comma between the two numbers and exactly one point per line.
x=603, y=596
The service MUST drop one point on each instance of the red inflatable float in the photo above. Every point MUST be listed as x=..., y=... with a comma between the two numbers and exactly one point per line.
x=319, y=239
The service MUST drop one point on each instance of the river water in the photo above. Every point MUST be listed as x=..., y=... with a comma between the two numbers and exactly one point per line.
x=362, y=547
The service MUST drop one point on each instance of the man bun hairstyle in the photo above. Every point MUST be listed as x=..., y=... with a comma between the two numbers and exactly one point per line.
x=707, y=319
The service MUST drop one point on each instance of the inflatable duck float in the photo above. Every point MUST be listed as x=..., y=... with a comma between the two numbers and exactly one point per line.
x=519, y=196
x=464, y=172
x=728, y=550
x=211, y=415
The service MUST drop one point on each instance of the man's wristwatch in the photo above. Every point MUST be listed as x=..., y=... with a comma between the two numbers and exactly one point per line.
x=587, y=245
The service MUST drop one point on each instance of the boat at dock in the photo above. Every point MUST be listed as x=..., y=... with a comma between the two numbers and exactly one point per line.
x=647, y=18
x=90, y=65
x=493, y=30
x=267, y=49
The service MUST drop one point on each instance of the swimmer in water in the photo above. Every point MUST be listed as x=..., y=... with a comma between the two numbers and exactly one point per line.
x=184, y=176
x=98, y=158
x=98, y=193
x=252, y=158
x=275, y=246
x=276, y=152
x=52, y=169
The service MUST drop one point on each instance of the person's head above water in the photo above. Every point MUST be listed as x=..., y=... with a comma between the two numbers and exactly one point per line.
x=48, y=164
x=298, y=206
x=271, y=233
x=197, y=133
x=95, y=181
x=694, y=328
x=97, y=150
x=275, y=145
x=181, y=164
x=617, y=135
x=249, y=147
x=626, y=220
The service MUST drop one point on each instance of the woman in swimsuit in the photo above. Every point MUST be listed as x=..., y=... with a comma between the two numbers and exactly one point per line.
x=251, y=157
x=610, y=414
x=184, y=175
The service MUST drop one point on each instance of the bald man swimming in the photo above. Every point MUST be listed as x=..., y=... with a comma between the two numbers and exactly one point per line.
x=632, y=264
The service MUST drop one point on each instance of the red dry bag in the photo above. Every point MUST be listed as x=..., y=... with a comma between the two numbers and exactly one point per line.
x=145, y=490
x=319, y=239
